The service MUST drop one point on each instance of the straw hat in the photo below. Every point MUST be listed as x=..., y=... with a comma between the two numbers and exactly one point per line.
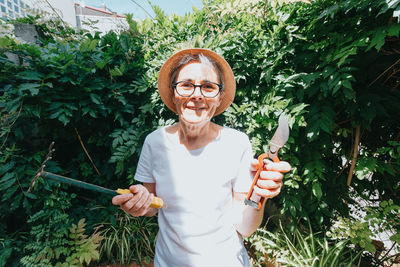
x=164, y=78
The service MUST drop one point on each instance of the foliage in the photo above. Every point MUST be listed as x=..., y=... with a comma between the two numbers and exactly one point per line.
x=385, y=217
x=381, y=218
x=329, y=65
x=301, y=248
x=49, y=232
x=307, y=61
x=128, y=239
x=308, y=75
x=357, y=231
x=54, y=241
x=83, y=249
x=68, y=89
x=6, y=249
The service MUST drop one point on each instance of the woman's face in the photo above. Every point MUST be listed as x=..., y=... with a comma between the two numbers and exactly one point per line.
x=196, y=108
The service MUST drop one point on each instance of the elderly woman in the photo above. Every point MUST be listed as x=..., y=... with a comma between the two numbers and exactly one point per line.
x=200, y=169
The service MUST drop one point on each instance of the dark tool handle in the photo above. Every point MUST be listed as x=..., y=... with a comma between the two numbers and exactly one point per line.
x=156, y=203
x=66, y=180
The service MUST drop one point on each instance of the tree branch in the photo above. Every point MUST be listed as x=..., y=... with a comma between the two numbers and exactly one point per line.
x=377, y=78
x=87, y=154
x=355, y=154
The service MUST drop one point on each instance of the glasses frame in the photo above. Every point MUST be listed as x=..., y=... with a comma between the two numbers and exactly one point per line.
x=194, y=88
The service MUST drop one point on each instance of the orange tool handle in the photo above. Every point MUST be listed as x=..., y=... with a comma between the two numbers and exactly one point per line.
x=248, y=200
x=156, y=203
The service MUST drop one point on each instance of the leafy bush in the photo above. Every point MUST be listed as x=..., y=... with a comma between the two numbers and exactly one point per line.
x=83, y=249
x=302, y=248
x=69, y=90
x=55, y=242
x=329, y=65
x=128, y=239
x=378, y=219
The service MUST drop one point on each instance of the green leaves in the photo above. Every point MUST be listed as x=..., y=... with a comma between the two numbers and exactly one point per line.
x=7, y=180
x=88, y=45
x=377, y=39
x=329, y=65
x=84, y=249
x=33, y=88
x=316, y=190
x=365, y=167
x=389, y=4
x=128, y=239
x=302, y=247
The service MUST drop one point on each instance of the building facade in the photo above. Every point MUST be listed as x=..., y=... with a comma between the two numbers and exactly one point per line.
x=76, y=14
x=13, y=8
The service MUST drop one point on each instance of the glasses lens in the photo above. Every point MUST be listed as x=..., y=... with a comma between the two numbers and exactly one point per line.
x=209, y=89
x=187, y=89
x=184, y=88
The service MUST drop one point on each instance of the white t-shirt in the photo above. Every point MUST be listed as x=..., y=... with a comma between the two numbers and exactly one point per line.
x=197, y=227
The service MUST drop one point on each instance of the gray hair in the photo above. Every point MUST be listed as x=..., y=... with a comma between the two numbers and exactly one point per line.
x=198, y=58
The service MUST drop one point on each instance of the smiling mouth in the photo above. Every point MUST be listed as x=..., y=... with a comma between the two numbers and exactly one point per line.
x=195, y=108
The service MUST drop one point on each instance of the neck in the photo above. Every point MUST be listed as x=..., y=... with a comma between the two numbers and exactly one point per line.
x=194, y=136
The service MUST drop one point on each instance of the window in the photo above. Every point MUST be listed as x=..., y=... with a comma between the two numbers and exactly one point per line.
x=9, y=4
x=11, y=14
x=16, y=2
x=3, y=9
x=2, y=1
x=16, y=9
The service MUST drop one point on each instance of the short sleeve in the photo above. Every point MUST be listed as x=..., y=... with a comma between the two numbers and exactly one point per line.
x=243, y=178
x=144, y=169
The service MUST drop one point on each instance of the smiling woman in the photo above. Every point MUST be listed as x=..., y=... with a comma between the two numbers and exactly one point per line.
x=196, y=106
x=200, y=169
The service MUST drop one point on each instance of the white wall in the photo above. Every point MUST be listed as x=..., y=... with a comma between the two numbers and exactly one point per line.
x=62, y=8
x=102, y=24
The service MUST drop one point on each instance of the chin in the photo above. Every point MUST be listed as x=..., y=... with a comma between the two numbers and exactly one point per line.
x=193, y=119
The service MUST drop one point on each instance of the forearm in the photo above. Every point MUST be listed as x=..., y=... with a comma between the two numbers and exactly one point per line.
x=249, y=218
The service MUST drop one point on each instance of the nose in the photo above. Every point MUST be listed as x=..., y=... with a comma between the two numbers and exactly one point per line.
x=197, y=92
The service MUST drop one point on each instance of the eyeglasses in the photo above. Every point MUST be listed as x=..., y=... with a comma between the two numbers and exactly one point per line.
x=186, y=89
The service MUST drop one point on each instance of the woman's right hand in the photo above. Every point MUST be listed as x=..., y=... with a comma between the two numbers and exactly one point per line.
x=137, y=203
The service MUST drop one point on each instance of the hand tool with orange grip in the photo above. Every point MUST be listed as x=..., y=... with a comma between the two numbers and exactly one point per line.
x=278, y=140
x=156, y=203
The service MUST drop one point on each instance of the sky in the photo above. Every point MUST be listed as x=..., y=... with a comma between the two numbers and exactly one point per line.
x=170, y=7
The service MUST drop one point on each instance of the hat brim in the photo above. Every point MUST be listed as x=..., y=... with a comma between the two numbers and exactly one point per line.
x=164, y=78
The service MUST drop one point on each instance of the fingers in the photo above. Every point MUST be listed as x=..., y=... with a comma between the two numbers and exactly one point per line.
x=254, y=165
x=269, y=165
x=137, y=203
x=120, y=199
x=269, y=184
x=271, y=175
x=281, y=166
x=267, y=193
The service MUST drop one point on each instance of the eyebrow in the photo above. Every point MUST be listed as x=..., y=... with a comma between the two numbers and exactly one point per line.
x=191, y=80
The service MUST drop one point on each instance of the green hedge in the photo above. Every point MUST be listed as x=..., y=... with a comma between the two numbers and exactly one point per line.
x=320, y=63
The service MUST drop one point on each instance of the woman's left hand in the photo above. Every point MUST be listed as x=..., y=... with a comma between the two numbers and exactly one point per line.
x=270, y=183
